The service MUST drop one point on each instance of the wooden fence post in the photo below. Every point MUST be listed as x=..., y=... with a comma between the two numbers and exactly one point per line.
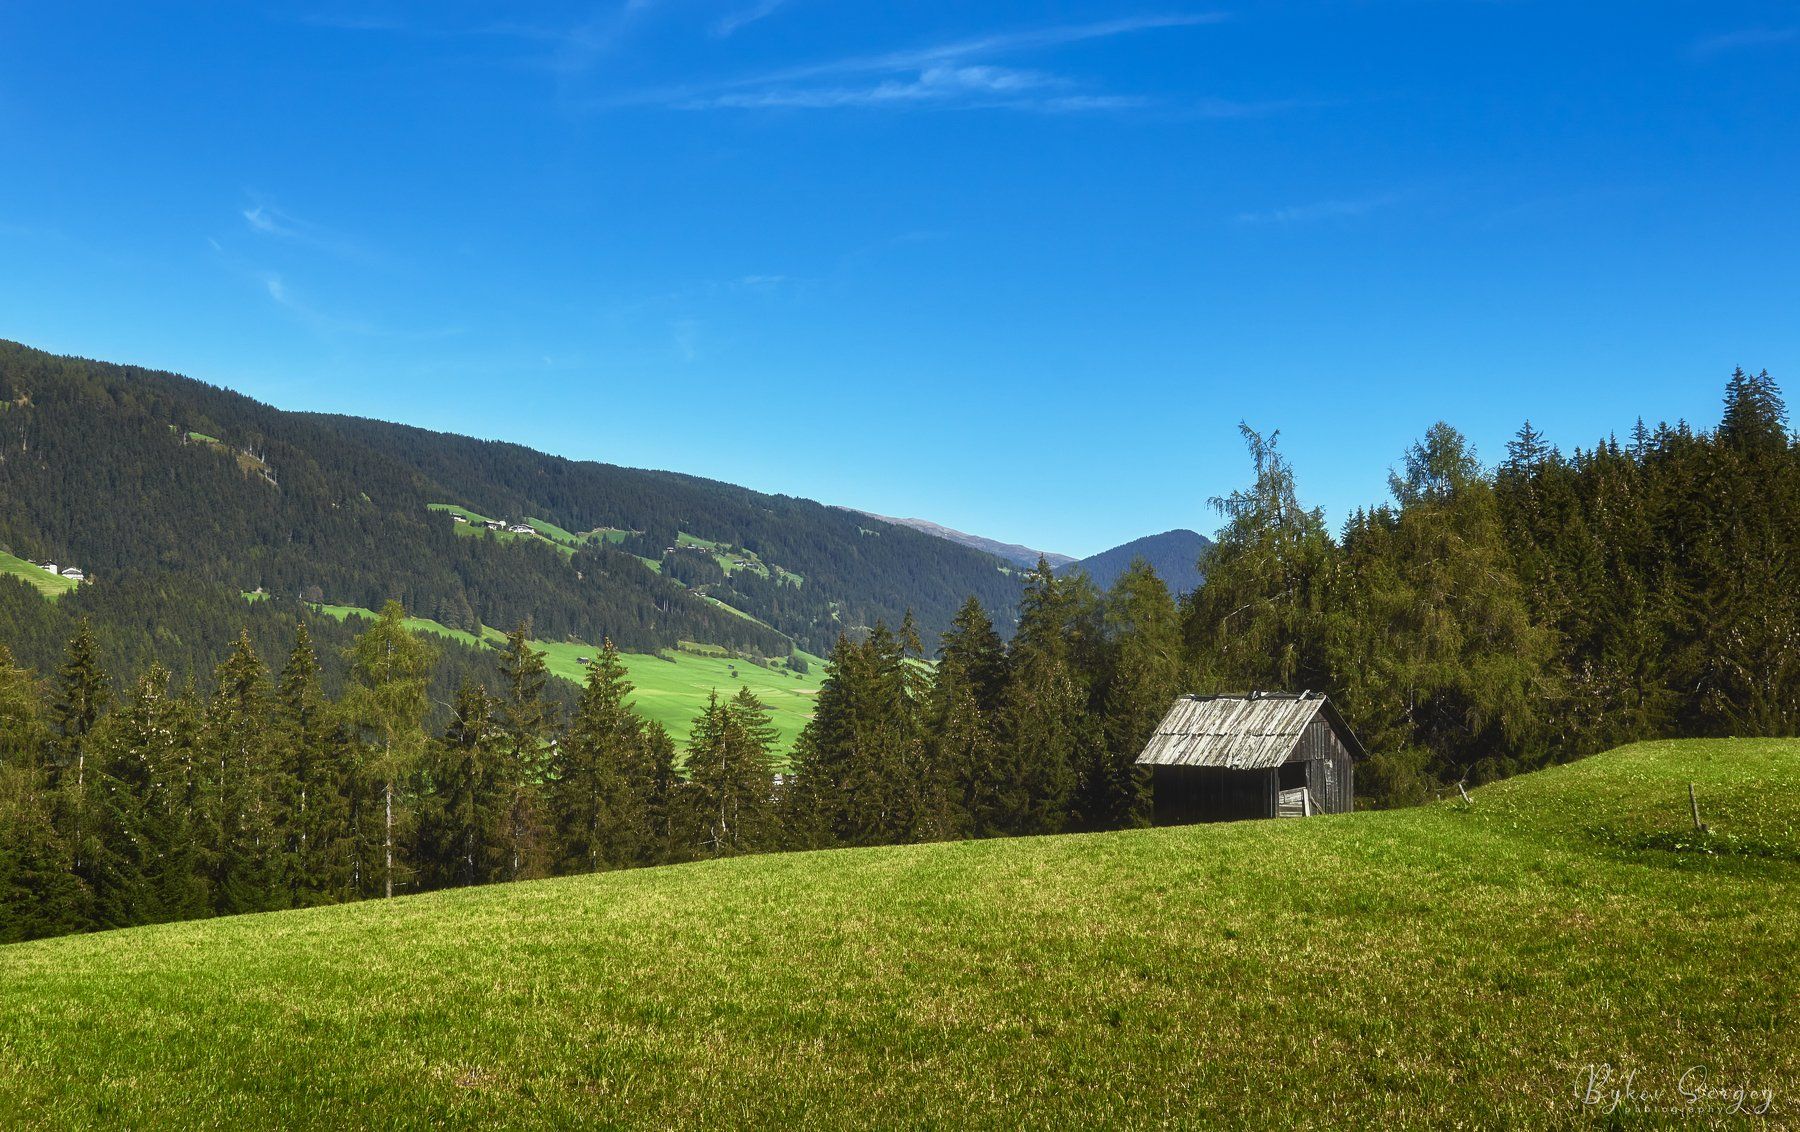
x=1694, y=805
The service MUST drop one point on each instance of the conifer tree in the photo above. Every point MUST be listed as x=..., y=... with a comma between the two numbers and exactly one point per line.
x=1755, y=413
x=82, y=694
x=814, y=804
x=1040, y=715
x=727, y=803
x=527, y=724
x=1437, y=647
x=319, y=778
x=1261, y=620
x=1143, y=677
x=389, y=668
x=145, y=863
x=461, y=827
x=244, y=785
x=654, y=780
x=598, y=796
x=39, y=894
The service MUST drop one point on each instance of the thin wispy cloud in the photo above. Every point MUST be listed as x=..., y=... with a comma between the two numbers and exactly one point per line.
x=1746, y=38
x=735, y=22
x=1319, y=210
x=959, y=72
x=283, y=296
x=265, y=219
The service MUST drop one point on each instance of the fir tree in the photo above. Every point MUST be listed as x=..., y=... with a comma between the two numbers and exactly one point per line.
x=1040, y=716
x=1755, y=414
x=319, y=777
x=145, y=864
x=39, y=894
x=599, y=784
x=727, y=802
x=527, y=723
x=1143, y=677
x=460, y=830
x=245, y=784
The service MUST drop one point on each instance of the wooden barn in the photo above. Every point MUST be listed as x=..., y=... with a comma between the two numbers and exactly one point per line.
x=1264, y=755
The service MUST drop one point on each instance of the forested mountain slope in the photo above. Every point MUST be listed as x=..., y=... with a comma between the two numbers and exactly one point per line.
x=1174, y=555
x=125, y=470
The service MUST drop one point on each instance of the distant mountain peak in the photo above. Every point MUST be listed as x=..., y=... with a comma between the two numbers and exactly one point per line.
x=1010, y=551
x=1174, y=555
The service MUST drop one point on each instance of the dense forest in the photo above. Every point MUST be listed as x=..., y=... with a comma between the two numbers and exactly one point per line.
x=120, y=470
x=1480, y=623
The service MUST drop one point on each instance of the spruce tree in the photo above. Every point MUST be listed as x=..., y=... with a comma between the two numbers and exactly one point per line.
x=527, y=724
x=461, y=827
x=599, y=780
x=39, y=894
x=243, y=793
x=1143, y=677
x=319, y=778
x=82, y=695
x=727, y=803
x=146, y=858
x=1040, y=716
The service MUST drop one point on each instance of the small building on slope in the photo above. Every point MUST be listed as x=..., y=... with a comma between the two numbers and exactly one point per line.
x=1264, y=755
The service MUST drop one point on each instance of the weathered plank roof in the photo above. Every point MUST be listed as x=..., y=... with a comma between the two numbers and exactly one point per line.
x=1254, y=732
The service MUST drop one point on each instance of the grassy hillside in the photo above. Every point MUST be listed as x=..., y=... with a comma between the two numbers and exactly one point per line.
x=1435, y=967
x=48, y=584
x=671, y=687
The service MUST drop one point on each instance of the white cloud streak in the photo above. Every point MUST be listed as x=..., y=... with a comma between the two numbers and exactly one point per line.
x=266, y=219
x=955, y=73
x=1319, y=210
x=730, y=25
x=1746, y=38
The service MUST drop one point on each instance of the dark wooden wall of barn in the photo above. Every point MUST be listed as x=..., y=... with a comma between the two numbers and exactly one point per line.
x=1330, y=769
x=1188, y=794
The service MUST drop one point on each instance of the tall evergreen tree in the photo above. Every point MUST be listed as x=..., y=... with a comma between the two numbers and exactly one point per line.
x=1261, y=620
x=1142, y=678
x=243, y=788
x=145, y=863
x=1040, y=715
x=39, y=894
x=728, y=802
x=461, y=829
x=527, y=724
x=319, y=778
x=600, y=779
x=389, y=668
x=1436, y=645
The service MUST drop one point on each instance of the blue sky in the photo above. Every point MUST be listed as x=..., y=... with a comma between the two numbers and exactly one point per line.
x=1018, y=268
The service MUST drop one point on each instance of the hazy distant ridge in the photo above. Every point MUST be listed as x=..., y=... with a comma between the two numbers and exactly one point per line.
x=1010, y=551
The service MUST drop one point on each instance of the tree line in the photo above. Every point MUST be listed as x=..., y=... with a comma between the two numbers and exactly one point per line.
x=149, y=802
x=1482, y=622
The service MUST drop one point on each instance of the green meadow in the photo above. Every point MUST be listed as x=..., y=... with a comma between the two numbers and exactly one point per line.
x=47, y=584
x=670, y=687
x=1473, y=966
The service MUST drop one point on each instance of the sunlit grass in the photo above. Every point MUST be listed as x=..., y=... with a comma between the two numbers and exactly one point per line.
x=1438, y=967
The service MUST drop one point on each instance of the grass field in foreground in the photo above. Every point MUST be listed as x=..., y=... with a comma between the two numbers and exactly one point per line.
x=1432, y=968
x=44, y=582
x=670, y=688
